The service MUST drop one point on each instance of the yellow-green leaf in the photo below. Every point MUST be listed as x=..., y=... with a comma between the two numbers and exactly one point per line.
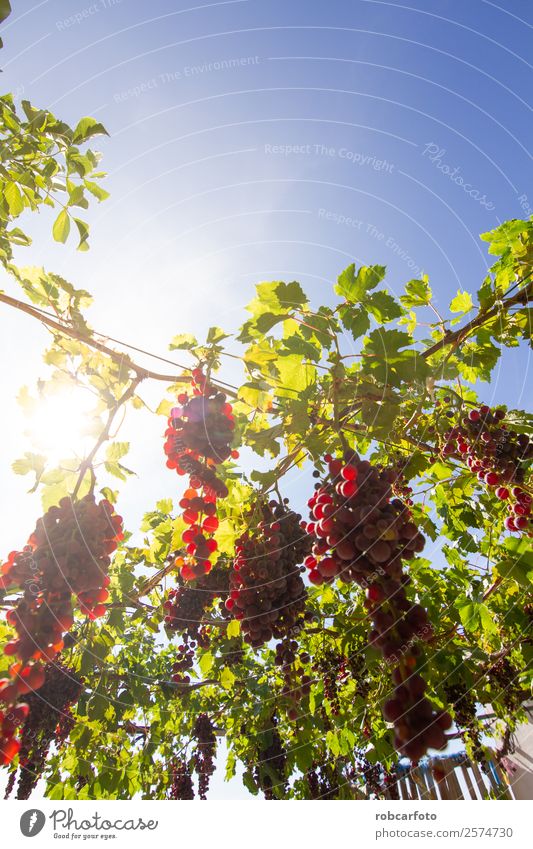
x=61, y=227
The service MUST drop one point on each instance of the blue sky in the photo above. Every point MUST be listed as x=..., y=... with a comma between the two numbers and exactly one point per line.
x=251, y=141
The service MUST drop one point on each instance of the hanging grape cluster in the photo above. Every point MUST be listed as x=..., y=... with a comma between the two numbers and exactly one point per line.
x=463, y=703
x=267, y=592
x=269, y=771
x=296, y=683
x=498, y=456
x=181, y=786
x=363, y=534
x=204, y=758
x=197, y=440
x=68, y=553
x=184, y=609
x=49, y=720
x=326, y=666
x=505, y=677
x=322, y=782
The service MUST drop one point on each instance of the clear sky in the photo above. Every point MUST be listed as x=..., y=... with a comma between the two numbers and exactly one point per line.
x=254, y=140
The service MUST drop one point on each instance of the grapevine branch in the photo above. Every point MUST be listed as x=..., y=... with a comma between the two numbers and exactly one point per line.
x=116, y=356
x=457, y=337
x=86, y=465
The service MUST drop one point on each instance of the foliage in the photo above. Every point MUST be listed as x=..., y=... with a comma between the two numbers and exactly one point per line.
x=370, y=372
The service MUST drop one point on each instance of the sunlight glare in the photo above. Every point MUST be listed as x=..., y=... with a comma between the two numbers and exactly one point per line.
x=63, y=424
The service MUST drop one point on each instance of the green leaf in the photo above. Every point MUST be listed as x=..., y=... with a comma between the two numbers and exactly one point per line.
x=61, y=227
x=462, y=302
x=487, y=620
x=227, y=678
x=96, y=190
x=86, y=128
x=14, y=199
x=469, y=614
x=205, y=663
x=216, y=335
x=249, y=782
x=519, y=565
x=354, y=286
x=255, y=396
x=265, y=440
x=233, y=629
x=117, y=450
x=294, y=376
x=333, y=744
x=83, y=230
x=30, y=463
x=183, y=342
x=354, y=319
x=383, y=306
x=5, y=10
x=417, y=293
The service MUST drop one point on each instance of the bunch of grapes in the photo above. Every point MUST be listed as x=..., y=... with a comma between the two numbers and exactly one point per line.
x=505, y=677
x=363, y=534
x=11, y=719
x=198, y=438
x=181, y=786
x=184, y=609
x=297, y=684
x=204, y=758
x=360, y=529
x=327, y=666
x=275, y=756
x=266, y=588
x=322, y=782
x=400, y=487
x=353, y=667
x=68, y=553
x=370, y=774
x=464, y=708
x=498, y=456
x=184, y=662
x=48, y=720
x=186, y=605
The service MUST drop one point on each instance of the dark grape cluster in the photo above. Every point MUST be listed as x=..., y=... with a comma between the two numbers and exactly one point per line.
x=184, y=609
x=49, y=720
x=275, y=757
x=360, y=529
x=505, y=677
x=353, y=667
x=363, y=534
x=327, y=667
x=322, y=782
x=266, y=588
x=11, y=719
x=463, y=703
x=417, y=725
x=181, y=786
x=400, y=487
x=204, y=758
x=371, y=775
x=187, y=603
x=198, y=438
x=184, y=662
x=498, y=456
x=68, y=553
x=297, y=684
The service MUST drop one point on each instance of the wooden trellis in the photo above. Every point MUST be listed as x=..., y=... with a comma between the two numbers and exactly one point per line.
x=452, y=778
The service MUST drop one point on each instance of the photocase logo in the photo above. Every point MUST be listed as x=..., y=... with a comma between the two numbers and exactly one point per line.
x=32, y=822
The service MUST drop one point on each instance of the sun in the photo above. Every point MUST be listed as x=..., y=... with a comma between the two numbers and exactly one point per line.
x=63, y=424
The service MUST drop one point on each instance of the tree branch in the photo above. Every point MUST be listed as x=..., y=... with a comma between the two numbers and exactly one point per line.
x=456, y=337
x=116, y=356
